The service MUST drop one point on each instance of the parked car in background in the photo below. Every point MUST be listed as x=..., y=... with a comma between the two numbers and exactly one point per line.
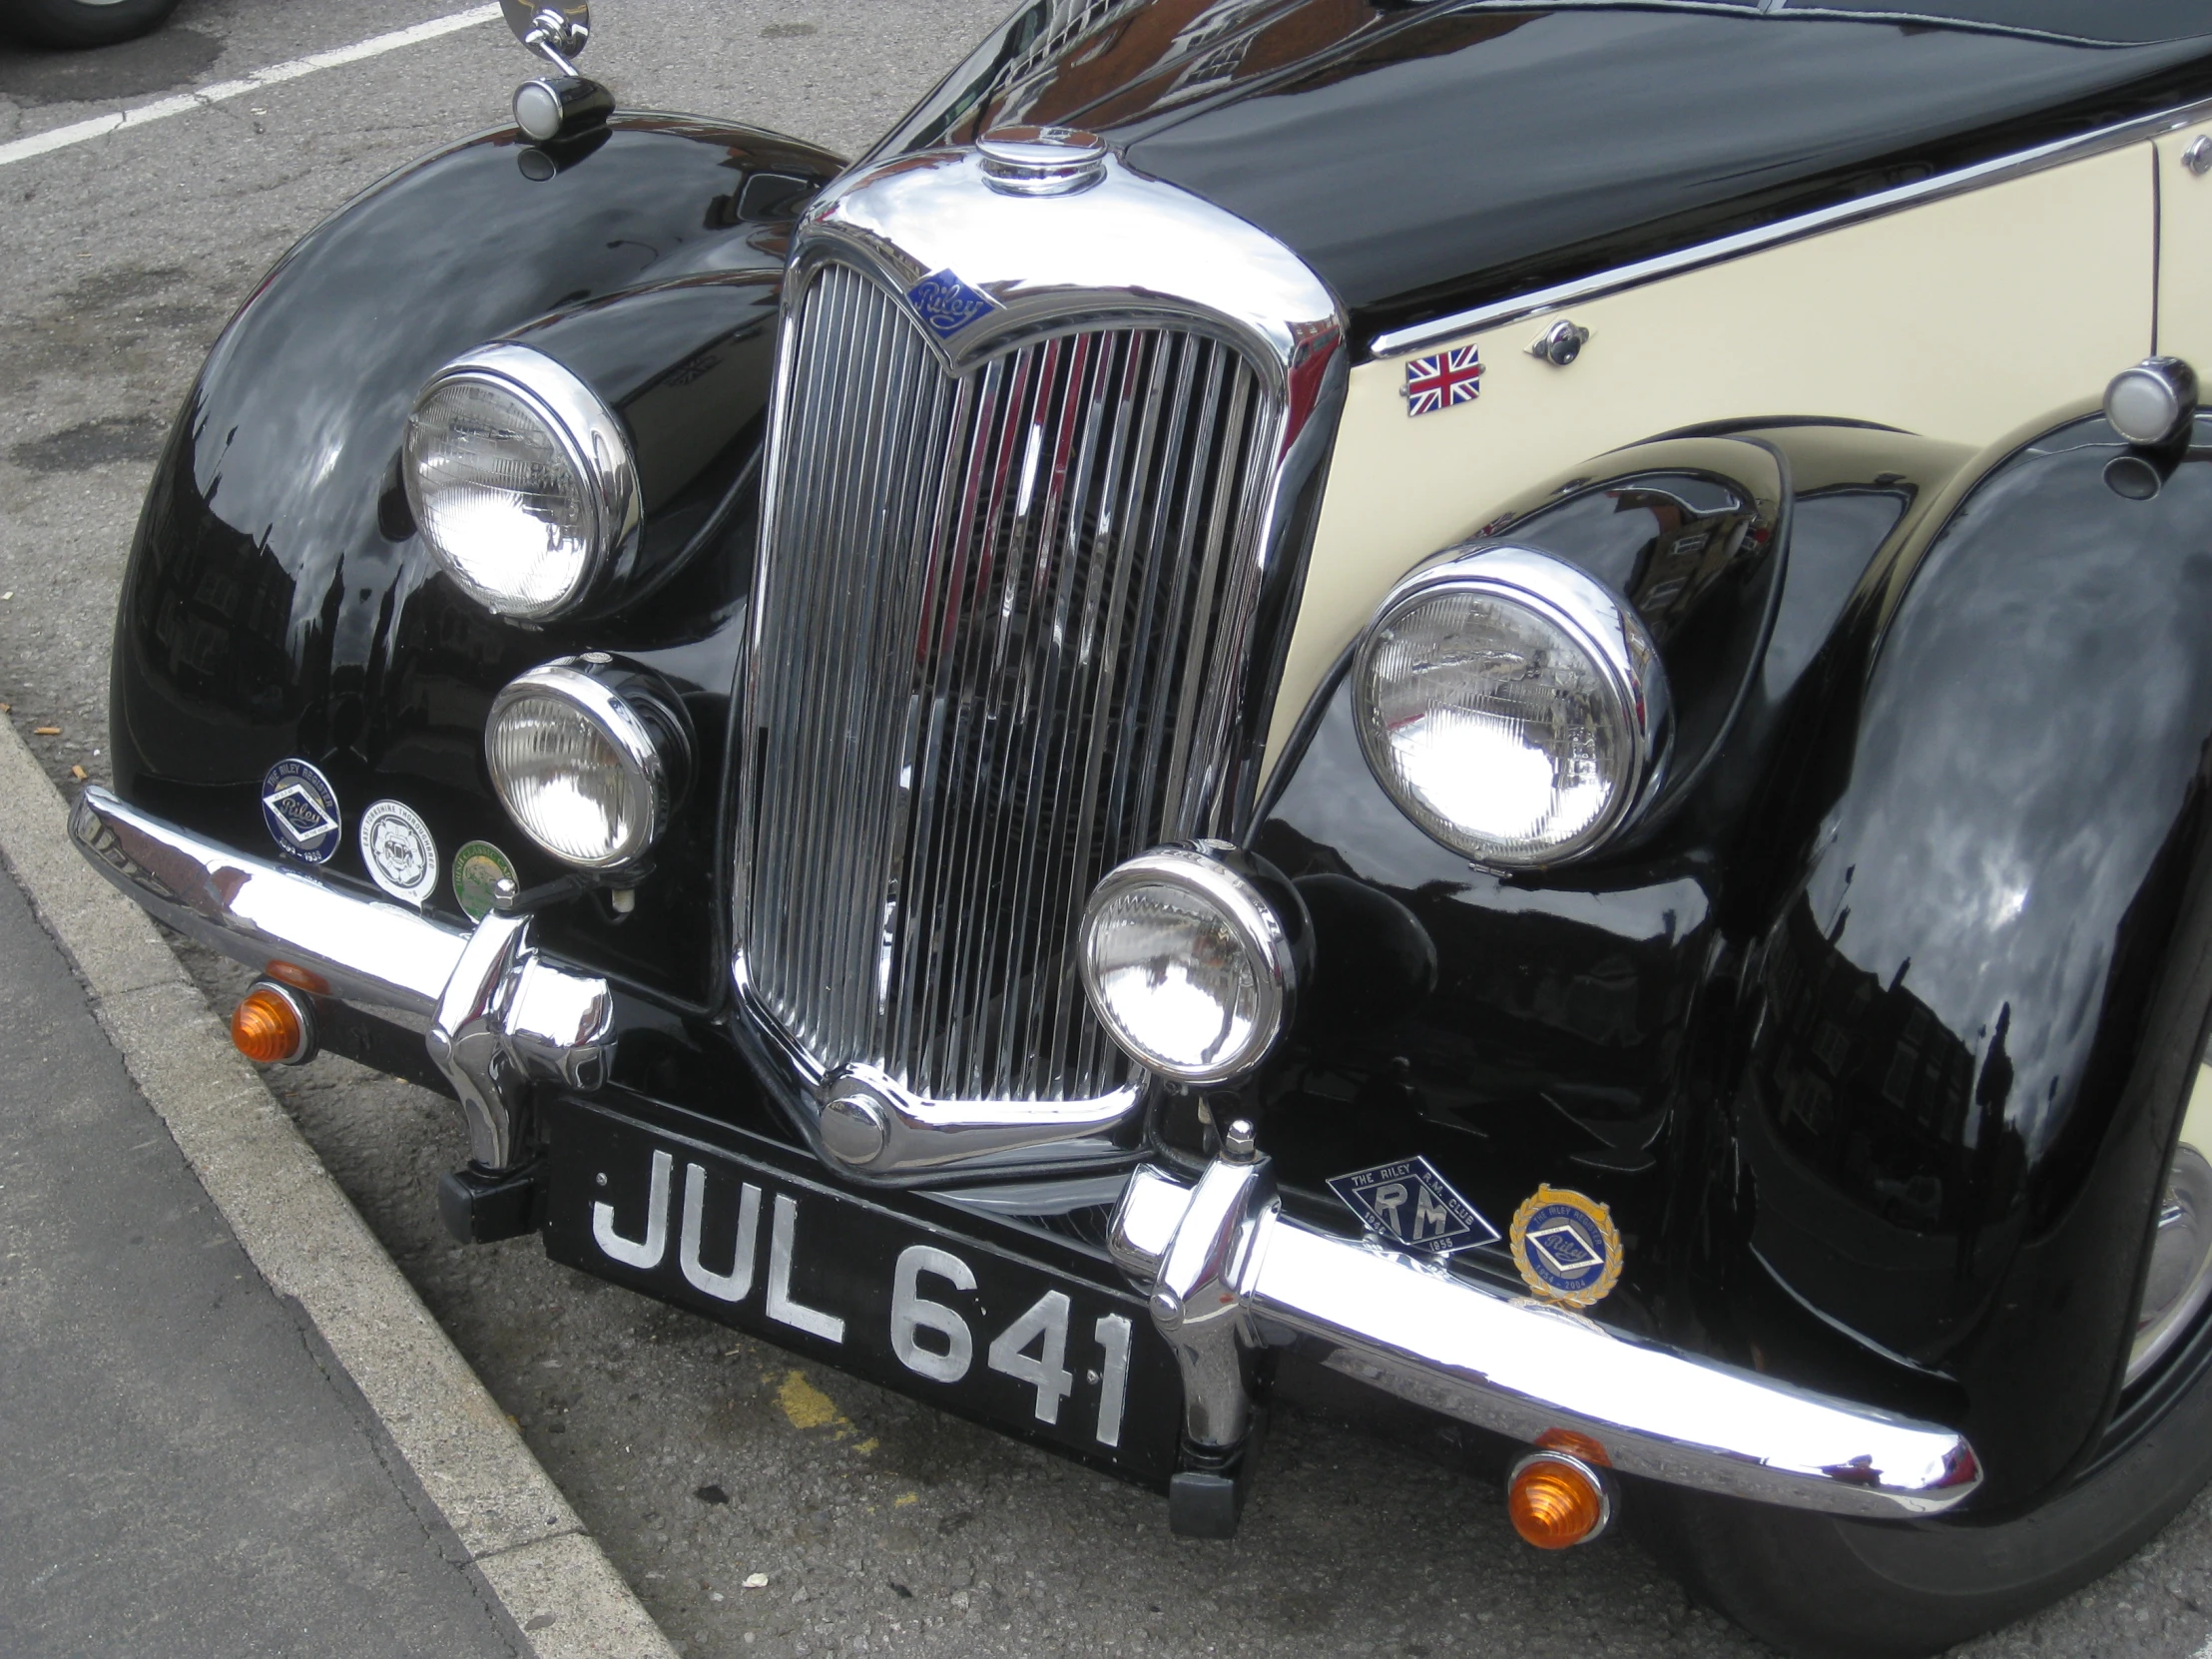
x=1516, y=701
x=77, y=23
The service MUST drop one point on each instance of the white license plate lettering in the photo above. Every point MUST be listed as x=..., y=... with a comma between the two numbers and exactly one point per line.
x=912, y=1313
x=1046, y=1323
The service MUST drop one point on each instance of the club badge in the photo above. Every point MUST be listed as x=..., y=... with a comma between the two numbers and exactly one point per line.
x=475, y=869
x=1409, y=1203
x=1566, y=1247
x=947, y=305
x=300, y=810
x=1442, y=379
x=399, y=851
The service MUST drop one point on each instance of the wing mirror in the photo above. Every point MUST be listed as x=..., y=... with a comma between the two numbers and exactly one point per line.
x=562, y=105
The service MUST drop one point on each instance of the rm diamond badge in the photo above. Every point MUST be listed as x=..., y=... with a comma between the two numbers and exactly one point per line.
x=1409, y=1203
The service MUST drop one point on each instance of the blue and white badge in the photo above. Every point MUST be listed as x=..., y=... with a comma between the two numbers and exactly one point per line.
x=1566, y=1247
x=1409, y=1203
x=302, y=811
x=947, y=305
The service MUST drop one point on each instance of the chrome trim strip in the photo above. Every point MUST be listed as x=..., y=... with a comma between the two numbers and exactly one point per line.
x=1997, y=170
x=1416, y=1330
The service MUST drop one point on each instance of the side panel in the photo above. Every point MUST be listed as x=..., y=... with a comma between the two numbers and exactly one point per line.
x=2185, y=251
x=1958, y=321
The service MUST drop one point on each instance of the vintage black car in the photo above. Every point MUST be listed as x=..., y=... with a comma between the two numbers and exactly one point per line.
x=1515, y=700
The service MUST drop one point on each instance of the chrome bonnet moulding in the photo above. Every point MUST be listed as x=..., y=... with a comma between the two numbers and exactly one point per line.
x=1229, y=1273
x=1036, y=468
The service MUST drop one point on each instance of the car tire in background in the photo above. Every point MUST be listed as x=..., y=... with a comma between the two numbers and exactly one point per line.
x=70, y=23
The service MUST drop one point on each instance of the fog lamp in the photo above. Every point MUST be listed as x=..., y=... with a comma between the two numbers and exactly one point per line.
x=521, y=481
x=273, y=1027
x=1189, y=964
x=2180, y=1277
x=1557, y=1501
x=1512, y=707
x=586, y=763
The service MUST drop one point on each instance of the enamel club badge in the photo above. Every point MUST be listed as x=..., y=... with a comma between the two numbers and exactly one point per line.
x=300, y=810
x=1566, y=1247
x=1409, y=1203
x=1442, y=379
x=402, y=855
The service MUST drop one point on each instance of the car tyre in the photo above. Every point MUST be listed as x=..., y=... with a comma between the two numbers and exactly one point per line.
x=1823, y=1588
x=77, y=23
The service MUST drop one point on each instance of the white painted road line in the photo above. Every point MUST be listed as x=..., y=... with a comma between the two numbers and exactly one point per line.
x=184, y=103
x=527, y=1544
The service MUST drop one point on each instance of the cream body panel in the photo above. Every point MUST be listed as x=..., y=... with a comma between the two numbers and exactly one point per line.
x=2185, y=254
x=1957, y=321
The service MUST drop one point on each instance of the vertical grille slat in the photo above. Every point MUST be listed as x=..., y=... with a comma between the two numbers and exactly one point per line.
x=994, y=609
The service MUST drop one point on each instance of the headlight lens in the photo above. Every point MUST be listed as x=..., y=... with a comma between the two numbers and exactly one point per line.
x=520, y=479
x=1512, y=707
x=577, y=766
x=1187, y=965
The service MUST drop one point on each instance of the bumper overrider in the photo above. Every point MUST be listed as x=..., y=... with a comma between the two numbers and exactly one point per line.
x=1228, y=1273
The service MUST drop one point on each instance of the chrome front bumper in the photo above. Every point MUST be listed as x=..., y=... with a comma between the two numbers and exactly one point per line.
x=1227, y=1272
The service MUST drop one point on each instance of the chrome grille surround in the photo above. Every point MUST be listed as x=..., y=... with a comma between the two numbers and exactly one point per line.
x=1009, y=628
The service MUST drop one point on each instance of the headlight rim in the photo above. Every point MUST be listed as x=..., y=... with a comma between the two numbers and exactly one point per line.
x=1607, y=627
x=592, y=437
x=661, y=761
x=1273, y=940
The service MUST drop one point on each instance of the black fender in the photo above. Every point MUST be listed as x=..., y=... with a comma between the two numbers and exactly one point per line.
x=1974, y=1012
x=1865, y=1119
x=277, y=601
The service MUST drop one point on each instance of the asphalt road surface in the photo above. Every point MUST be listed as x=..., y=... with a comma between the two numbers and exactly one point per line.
x=758, y=1505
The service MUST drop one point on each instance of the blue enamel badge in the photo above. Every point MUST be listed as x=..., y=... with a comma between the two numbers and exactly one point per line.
x=947, y=303
x=1409, y=1203
x=302, y=811
x=1566, y=1247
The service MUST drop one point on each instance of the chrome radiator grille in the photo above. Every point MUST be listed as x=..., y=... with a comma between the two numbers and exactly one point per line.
x=1003, y=620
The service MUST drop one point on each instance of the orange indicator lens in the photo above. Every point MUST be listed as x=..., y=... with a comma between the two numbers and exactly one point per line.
x=1556, y=1501
x=268, y=1028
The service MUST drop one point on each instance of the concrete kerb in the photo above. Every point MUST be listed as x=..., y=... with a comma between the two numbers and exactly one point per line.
x=303, y=1236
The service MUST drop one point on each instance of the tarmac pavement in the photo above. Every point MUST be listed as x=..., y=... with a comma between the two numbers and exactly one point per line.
x=758, y=1505
x=184, y=1468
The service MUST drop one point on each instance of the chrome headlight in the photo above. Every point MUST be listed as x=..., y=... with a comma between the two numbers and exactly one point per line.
x=1187, y=965
x=521, y=480
x=1512, y=706
x=587, y=766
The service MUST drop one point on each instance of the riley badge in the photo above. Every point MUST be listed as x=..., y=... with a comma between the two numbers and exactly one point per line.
x=1409, y=1203
x=300, y=810
x=947, y=305
x=1566, y=1247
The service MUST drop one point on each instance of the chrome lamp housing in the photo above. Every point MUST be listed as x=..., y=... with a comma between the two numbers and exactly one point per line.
x=1512, y=705
x=522, y=482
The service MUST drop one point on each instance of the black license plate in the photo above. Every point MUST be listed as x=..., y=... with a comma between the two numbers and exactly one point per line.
x=974, y=1328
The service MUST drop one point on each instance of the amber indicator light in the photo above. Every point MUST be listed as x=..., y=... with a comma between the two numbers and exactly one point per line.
x=1557, y=1501
x=267, y=1027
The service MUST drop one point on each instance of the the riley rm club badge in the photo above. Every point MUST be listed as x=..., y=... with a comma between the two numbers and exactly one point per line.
x=1566, y=1247
x=300, y=810
x=1409, y=1203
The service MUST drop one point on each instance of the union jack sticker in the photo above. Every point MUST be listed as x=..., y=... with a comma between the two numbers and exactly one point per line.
x=1442, y=379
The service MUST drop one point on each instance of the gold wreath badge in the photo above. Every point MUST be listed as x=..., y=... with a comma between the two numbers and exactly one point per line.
x=1534, y=1210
